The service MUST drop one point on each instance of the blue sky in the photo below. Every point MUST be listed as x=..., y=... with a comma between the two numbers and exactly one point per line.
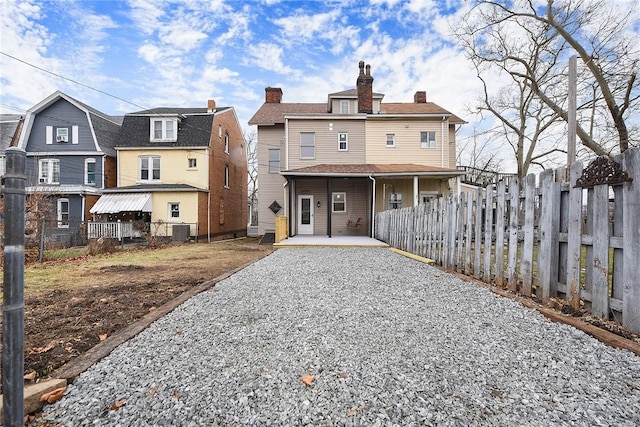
x=180, y=53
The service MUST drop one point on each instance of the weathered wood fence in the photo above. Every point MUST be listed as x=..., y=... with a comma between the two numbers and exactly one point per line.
x=550, y=238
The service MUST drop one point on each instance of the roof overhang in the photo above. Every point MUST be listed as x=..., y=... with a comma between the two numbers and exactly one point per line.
x=122, y=202
x=374, y=171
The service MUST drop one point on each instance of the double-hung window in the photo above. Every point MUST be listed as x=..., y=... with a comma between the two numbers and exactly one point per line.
x=226, y=176
x=90, y=171
x=391, y=140
x=427, y=140
x=174, y=210
x=343, y=141
x=307, y=145
x=150, y=168
x=226, y=143
x=49, y=171
x=63, y=213
x=344, y=106
x=163, y=129
x=274, y=160
x=339, y=202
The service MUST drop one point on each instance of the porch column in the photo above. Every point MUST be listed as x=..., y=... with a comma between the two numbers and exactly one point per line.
x=291, y=204
x=416, y=194
x=329, y=206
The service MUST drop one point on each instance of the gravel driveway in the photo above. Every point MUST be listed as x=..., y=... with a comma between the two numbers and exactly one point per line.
x=388, y=340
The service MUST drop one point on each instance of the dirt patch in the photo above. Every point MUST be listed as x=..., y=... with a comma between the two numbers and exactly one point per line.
x=78, y=303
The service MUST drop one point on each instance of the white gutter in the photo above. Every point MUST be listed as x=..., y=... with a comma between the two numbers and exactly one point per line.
x=373, y=208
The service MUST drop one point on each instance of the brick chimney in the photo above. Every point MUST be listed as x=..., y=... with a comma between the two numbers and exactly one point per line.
x=211, y=106
x=420, y=97
x=364, y=84
x=273, y=95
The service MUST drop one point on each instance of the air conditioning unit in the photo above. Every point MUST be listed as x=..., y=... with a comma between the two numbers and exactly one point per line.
x=61, y=138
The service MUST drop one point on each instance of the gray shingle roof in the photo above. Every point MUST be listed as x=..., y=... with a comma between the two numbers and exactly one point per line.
x=8, y=126
x=193, y=130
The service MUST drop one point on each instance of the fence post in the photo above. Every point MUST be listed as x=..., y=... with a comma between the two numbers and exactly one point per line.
x=548, y=230
x=512, y=252
x=501, y=203
x=600, y=260
x=477, y=243
x=631, y=243
x=529, y=234
x=13, y=289
x=574, y=237
x=488, y=234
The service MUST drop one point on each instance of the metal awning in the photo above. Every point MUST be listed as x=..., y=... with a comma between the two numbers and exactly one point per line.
x=122, y=202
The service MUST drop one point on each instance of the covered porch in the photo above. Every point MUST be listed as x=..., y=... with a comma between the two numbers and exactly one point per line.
x=342, y=200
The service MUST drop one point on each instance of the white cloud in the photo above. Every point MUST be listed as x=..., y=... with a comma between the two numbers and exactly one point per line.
x=181, y=36
x=269, y=56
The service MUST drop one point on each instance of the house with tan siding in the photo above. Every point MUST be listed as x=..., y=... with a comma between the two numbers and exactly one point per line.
x=330, y=166
x=180, y=168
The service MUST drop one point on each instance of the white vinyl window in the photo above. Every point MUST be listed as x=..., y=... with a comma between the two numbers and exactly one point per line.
x=274, y=160
x=163, y=129
x=343, y=141
x=62, y=134
x=307, y=145
x=391, y=140
x=226, y=176
x=49, y=171
x=338, y=202
x=150, y=168
x=174, y=210
x=193, y=163
x=226, y=143
x=427, y=140
x=63, y=213
x=344, y=106
x=90, y=171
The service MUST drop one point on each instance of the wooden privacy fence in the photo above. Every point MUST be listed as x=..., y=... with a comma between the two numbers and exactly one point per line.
x=549, y=238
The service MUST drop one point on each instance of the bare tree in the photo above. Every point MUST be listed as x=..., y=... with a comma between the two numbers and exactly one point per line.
x=252, y=170
x=532, y=45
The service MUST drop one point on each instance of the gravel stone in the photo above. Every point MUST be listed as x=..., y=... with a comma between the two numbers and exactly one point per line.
x=390, y=342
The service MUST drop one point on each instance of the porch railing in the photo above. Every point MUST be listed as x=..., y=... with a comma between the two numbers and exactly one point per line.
x=112, y=230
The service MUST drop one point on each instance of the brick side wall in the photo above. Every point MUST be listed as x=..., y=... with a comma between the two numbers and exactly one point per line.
x=231, y=220
x=110, y=178
x=203, y=199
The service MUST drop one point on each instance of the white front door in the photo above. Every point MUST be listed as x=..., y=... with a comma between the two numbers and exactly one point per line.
x=305, y=214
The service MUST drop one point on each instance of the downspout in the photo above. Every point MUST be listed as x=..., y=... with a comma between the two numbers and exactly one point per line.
x=373, y=207
x=443, y=141
x=209, y=217
x=415, y=191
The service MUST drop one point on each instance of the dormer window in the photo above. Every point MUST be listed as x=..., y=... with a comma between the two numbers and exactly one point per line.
x=163, y=129
x=62, y=134
x=344, y=106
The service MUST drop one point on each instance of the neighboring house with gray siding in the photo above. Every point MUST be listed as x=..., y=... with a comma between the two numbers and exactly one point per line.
x=330, y=166
x=10, y=126
x=70, y=160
